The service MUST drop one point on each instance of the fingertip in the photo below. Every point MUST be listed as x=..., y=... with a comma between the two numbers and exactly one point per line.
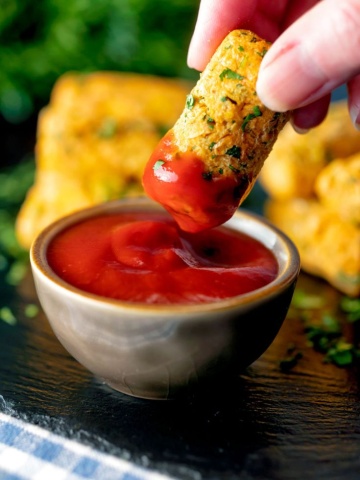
x=267, y=92
x=196, y=57
x=215, y=20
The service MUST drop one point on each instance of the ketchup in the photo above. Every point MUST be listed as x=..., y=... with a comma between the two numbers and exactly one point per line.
x=197, y=199
x=144, y=257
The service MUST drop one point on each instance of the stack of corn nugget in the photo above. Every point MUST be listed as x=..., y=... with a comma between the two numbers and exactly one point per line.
x=313, y=181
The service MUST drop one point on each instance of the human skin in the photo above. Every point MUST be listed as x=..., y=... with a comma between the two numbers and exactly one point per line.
x=316, y=48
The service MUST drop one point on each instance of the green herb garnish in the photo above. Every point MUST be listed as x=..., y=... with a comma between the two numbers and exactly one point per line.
x=262, y=53
x=210, y=122
x=31, y=310
x=211, y=146
x=7, y=316
x=108, y=128
x=341, y=353
x=324, y=330
x=351, y=306
x=305, y=301
x=234, y=169
x=290, y=360
x=190, y=101
x=256, y=113
x=230, y=74
x=234, y=151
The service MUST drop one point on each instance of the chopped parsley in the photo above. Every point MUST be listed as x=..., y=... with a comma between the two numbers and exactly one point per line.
x=210, y=122
x=230, y=74
x=351, y=306
x=290, y=360
x=31, y=310
x=342, y=353
x=221, y=171
x=255, y=113
x=241, y=48
x=158, y=164
x=7, y=316
x=234, y=169
x=211, y=146
x=303, y=300
x=324, y=331
x=190, y=101
x=234, y=151
x=108, y=128
x=262, y=53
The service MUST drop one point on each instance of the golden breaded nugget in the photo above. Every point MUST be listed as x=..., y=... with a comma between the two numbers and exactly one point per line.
x=296, y=160
x=104, y=101
x=338, y=188
x=93, y=141
x=328, y=246
x=208, y=162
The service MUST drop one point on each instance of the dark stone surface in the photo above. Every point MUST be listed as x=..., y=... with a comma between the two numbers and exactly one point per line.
x=265, y=425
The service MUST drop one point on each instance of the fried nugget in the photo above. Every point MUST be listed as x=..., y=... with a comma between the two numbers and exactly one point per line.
x=328, y=245
x=208, y=162
x=338, y=188
x=296, y=160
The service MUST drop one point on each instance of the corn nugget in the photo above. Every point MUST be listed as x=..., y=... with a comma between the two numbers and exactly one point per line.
x=206, y=165
x=338, y=188
x=328, y=246
x=296, y=160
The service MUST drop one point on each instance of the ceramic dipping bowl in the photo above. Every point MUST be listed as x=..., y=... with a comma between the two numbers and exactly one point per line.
x=158, y=351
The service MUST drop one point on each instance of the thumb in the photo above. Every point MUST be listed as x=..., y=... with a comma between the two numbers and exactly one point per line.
x=316, y=54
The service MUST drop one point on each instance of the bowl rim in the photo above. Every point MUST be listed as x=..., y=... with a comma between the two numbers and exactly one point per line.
x=286, y=275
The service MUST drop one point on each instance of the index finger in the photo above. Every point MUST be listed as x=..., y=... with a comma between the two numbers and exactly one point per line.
x=215, y=20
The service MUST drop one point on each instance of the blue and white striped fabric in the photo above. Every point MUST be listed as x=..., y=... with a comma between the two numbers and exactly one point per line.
x=30, y=452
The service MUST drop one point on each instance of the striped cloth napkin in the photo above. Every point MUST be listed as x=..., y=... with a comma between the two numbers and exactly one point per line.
x=30, y=452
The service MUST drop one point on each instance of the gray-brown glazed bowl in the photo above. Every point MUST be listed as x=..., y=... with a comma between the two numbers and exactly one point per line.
x=158, y=351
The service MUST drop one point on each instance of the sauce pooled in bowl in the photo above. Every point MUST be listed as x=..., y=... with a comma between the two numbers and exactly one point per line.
x=144, y=257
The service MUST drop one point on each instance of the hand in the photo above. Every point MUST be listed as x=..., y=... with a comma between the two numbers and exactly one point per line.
x=316, y=49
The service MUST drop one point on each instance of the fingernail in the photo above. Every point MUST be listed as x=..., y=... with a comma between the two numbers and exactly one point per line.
x=355, y=116
x=300, y=130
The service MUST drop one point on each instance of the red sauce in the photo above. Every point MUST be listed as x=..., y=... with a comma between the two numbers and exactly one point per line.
x=197, y=199
x=145, y=257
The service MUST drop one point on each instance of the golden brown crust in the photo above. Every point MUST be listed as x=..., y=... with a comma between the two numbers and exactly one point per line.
x=338, y=188
x=314, y=184
x=296, y=160
x=328, y=245
x=224, y=122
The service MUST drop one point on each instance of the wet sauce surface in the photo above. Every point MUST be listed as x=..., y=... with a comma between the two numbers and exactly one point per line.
x=144, y=257
x=196, y=198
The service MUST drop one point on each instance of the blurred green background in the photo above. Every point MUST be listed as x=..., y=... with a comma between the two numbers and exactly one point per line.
x=41, y=40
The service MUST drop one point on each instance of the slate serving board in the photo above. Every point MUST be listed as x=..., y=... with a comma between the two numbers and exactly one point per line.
x=304, y=424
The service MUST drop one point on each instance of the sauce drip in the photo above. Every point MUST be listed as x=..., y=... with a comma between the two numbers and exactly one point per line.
x=196, y=199
x=144, y=257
